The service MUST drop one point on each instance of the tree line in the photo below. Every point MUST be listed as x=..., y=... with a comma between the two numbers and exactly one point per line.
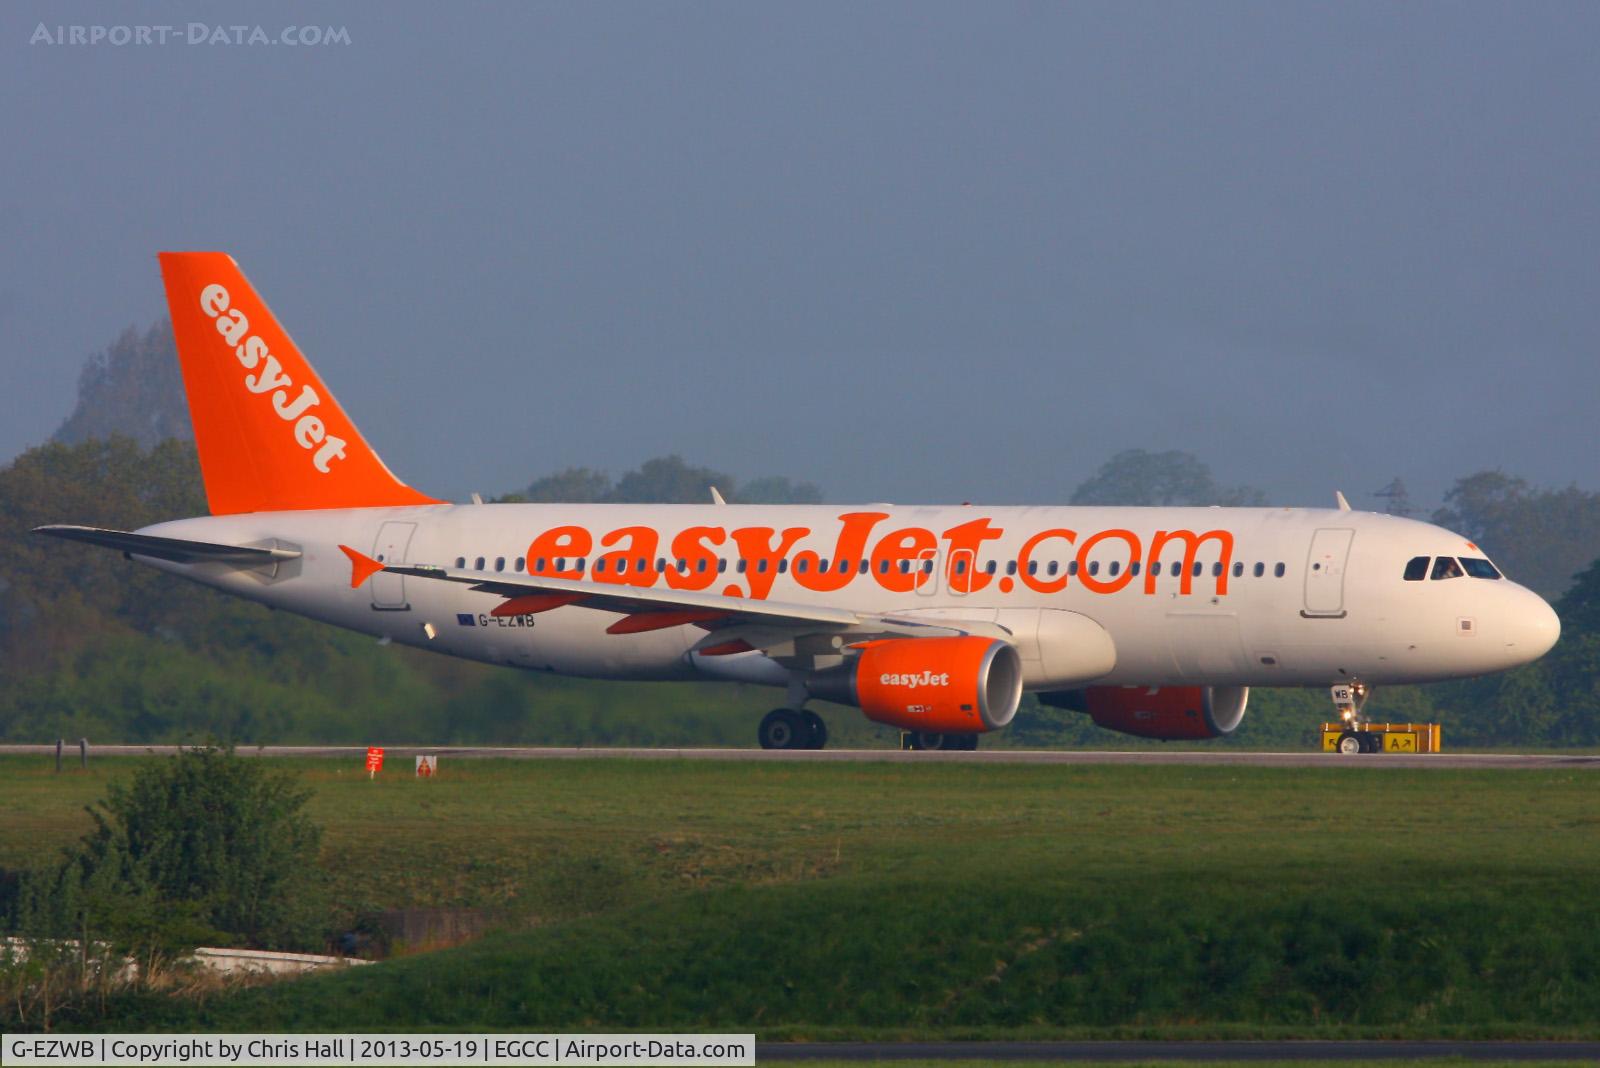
x=94, y=646
x=91, y=645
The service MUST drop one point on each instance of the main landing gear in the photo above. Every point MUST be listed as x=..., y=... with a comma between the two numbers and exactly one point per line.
x=946, y=742
x=799, y=728
x=791, y=728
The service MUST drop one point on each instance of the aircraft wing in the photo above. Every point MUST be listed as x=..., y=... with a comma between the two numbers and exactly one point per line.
x=178, y=550
x=752, y=624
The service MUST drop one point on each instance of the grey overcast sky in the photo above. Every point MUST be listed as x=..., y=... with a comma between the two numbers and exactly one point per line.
x=912, y=252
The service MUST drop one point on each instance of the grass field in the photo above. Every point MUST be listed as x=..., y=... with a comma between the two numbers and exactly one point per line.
x=900, y=901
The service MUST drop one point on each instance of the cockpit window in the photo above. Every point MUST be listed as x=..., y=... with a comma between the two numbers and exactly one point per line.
x=1478, y=567
x=1446, y=568
x=1417, y=569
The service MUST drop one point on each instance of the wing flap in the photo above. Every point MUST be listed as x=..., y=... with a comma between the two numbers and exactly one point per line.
x=783, y=630
x=637, y=600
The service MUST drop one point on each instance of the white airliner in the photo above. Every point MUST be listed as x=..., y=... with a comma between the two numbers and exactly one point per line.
x=1155, y=621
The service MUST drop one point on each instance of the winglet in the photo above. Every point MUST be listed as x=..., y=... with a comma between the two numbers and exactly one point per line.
x=362, y=566
x=716, y=497
x=1344, y=505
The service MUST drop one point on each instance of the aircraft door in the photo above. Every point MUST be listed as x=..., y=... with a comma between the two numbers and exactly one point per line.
x=1206, y=646
x=391, y=546
x=1325, y=564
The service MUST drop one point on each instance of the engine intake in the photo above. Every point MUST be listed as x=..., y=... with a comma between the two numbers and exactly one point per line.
x=1169, y=713
x=936, y=685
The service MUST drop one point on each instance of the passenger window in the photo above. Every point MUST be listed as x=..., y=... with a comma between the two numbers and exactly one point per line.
x=477, y=564
x=622, y=566
x=989, y=567
x=499, y=563
x=761, y=567
x=866, y=565
x=1053, y=568
x=783, y=566
x=1260, y=569
x=561, y=563
x=741, y=567
x=1238, y=568
x=927, y=566
x=822, y=566
x=641, y=564
x=661, y=565
x=1094, y=567
x=583, y=562
x=521, y=563
x=1278, y=571
x=1133, y=568
x=800, y=567
x=1177, y=568
x=461, y=563
x=1477, y=567
x=1445, y=567
x=1033, y=567
x=683, y=566
x=905, y=567
x=1116, y=566
x=883, y=567
x=1011, y=567
x=600, y=566
x=844, y=567
x=722, y=566
x=1072, y=567
x=961, y=566
x=1417, y=569
x=701, y=565
x=1216, y=569
x=1199, y=569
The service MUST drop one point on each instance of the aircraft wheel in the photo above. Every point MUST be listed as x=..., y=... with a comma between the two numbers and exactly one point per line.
x=1370, y=742
x=816, y=730
x=1350, y=743
x=930, y=741
x=783, y=728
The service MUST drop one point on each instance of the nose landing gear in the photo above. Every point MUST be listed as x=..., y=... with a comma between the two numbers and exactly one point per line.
x=1348, y=700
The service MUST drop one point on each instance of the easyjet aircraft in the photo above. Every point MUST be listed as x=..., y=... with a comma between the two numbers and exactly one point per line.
x=1156, y=621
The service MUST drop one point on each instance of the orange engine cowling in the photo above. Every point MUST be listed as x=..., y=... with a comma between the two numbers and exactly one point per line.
x=1170, y=713
x=938, y=685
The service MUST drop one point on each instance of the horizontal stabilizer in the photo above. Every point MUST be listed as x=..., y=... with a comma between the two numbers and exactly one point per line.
x=178, y=550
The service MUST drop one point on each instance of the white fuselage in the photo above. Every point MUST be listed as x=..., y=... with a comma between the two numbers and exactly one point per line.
x=1267, y=597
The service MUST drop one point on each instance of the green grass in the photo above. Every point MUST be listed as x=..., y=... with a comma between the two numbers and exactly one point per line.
x=906, y=901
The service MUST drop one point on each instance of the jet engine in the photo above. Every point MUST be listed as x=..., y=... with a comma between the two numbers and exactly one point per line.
x=1169, y=713
x=961, y=685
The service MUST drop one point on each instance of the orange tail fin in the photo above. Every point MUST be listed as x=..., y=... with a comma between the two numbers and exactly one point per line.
x=270, y=435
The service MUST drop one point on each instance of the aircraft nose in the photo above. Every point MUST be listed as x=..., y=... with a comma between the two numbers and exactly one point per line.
x=1533, y=627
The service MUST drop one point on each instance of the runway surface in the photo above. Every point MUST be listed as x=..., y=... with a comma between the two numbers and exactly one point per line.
x=1588, y=1052
x=1481, y=761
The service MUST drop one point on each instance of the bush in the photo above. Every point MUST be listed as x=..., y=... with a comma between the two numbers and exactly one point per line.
x=203, y=847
